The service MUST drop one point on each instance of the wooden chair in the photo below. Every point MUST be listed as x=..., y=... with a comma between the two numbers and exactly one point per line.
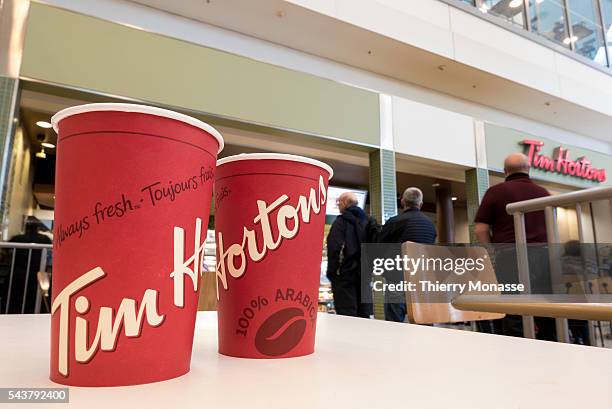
x=208, y=292
x=423, y=307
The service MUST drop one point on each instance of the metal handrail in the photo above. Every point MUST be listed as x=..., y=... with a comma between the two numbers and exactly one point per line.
x=549, y=204
x=8, y=244
x=27, y=275
x=564, y=199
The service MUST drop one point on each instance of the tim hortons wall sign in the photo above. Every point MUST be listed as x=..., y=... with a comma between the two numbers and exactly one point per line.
x=561, y=163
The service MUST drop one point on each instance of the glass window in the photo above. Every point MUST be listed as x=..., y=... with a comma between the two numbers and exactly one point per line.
x=470, y=2
x=510, y=10
x=606, y=10
x=547, y=18
x=586, y=33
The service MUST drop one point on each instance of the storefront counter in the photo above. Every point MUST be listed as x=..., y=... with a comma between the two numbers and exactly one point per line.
x=358, y=364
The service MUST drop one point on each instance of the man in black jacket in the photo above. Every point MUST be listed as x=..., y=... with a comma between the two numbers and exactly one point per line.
x=410, y=225
x=347, y=233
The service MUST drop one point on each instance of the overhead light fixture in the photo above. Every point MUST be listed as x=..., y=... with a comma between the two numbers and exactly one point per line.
x=484, y=8
x=454, y=198
x=41, y=154
x=568, y=40
x=435, y=185
x=48, y=145
x=44, y=124
x=515, y=3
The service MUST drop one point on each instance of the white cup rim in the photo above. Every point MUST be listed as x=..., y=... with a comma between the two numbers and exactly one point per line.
x=277, y=156
x=144, y=109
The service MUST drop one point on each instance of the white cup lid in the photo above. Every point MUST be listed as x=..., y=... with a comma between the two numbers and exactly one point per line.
x=277, y=156
x=144, y=109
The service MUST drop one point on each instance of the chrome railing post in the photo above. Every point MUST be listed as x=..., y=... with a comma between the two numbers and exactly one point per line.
x=39, y=293
x=27, y=277
x=10, y=284
x=580, y=226
x=554, y=258
x=523, y=267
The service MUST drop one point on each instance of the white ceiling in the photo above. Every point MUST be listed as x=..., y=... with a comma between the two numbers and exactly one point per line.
x=298, y=28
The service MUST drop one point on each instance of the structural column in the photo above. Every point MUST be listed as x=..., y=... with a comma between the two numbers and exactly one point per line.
x=8, y=121
x=445, y=215
x=476, y=184
x=13, y=14
x=383, y=188
x=383, y=201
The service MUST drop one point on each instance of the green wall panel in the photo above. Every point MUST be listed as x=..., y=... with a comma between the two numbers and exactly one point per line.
x=80, y=51
x=502, y=141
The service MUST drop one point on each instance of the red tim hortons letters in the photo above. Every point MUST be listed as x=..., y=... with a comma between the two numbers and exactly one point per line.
x=562, y=163
x=133, y=194
x=270, y=214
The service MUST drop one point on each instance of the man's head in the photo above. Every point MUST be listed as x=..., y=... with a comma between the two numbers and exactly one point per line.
x=412, y=198
x=32, y=225
x=346, y=200
x=516, y=163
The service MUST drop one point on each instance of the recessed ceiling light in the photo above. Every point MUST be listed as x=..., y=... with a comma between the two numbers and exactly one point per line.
x=454, y=198
x=44, y=124
x=48, y=145
x=515, y=3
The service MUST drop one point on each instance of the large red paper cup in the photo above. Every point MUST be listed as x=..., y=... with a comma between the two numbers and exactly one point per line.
x=133, y=193
x=269, y=219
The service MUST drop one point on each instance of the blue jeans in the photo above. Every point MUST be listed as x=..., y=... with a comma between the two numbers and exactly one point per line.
x=395, y=312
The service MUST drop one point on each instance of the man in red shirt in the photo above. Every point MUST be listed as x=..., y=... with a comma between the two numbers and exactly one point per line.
x=495, y=225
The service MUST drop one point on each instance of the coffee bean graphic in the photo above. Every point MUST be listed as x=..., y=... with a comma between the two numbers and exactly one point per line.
x=281, y=332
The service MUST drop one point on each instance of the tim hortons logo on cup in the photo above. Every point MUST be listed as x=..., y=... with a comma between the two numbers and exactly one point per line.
x=129, y=315
x=306, y=205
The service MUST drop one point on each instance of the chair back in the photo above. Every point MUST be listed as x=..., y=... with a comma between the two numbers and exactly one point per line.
x=426, y=307
x=208, y=292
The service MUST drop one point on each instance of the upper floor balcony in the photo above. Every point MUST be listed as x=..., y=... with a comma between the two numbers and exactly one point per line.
x=582, y=27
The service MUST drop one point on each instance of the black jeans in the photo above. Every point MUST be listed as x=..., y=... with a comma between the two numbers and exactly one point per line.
x=347, y=295
x=506, y=269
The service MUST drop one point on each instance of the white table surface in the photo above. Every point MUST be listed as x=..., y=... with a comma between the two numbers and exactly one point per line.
x=358, y=363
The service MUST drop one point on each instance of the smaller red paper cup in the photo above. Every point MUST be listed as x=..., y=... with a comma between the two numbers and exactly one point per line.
x=269, y=222
x=133, y=189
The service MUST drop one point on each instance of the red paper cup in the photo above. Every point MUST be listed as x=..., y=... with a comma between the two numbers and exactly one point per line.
x=269, y=219
x=133, y=192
